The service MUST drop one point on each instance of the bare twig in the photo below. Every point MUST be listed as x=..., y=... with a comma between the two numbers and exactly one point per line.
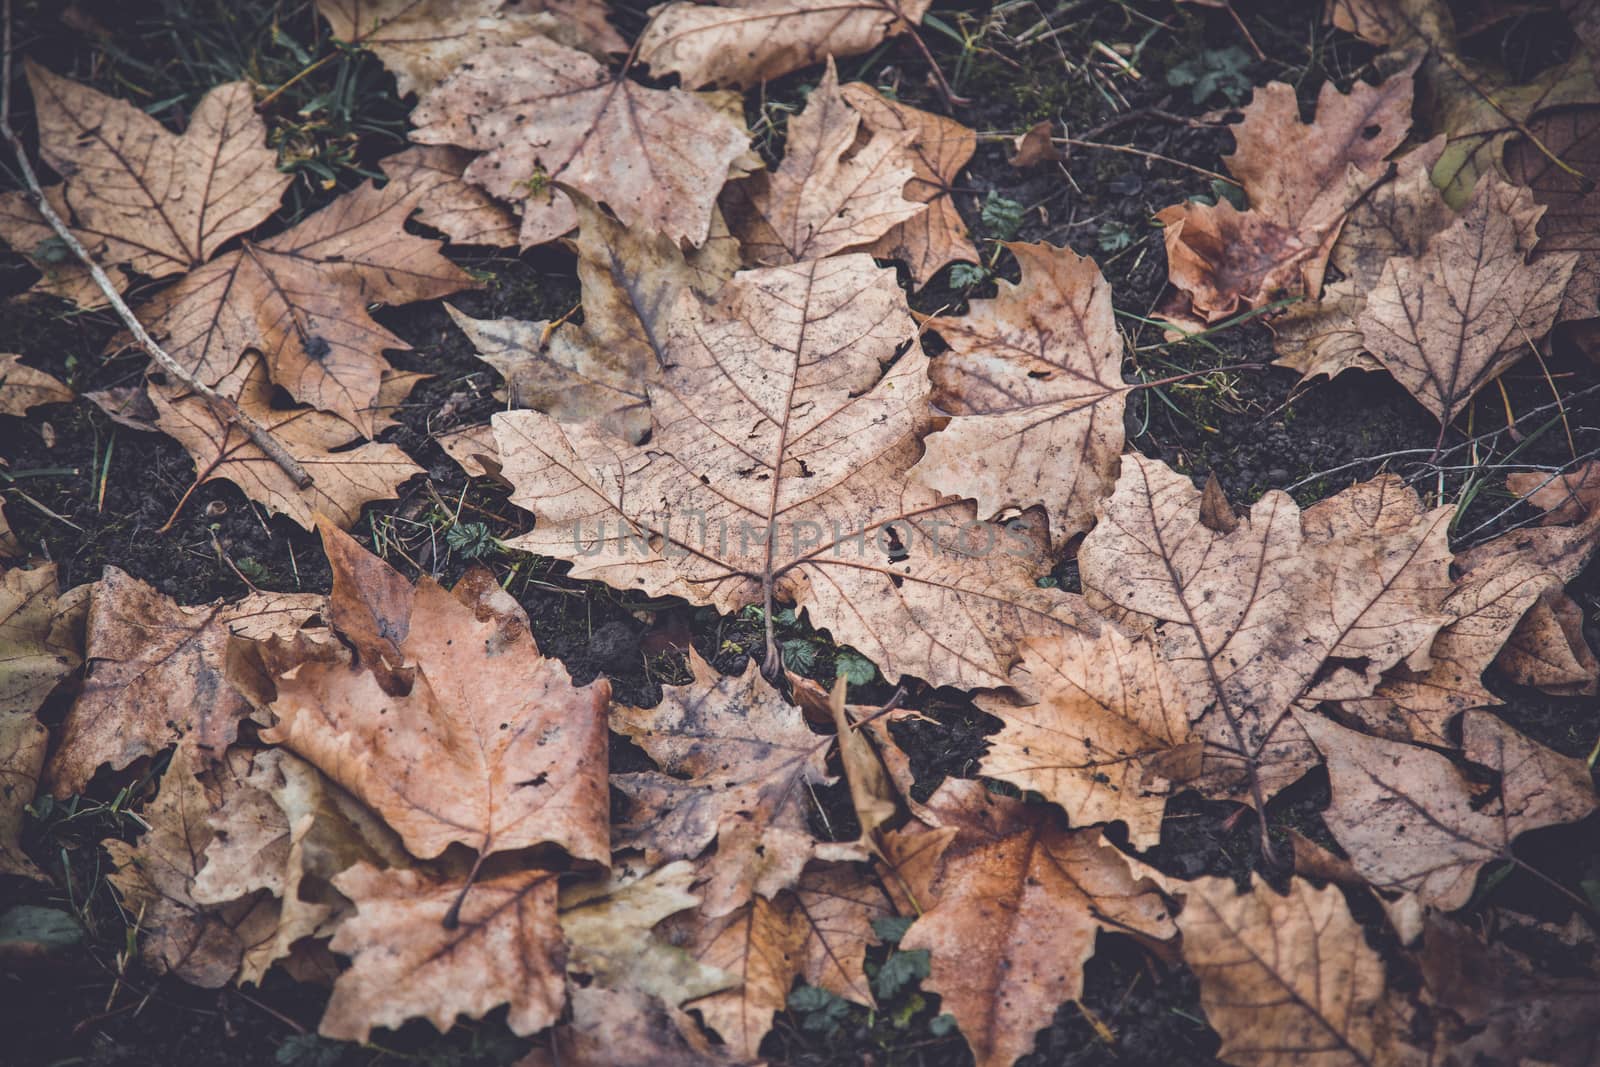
x=224, y=406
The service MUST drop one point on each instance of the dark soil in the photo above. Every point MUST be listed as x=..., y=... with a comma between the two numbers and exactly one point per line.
x=99, y=494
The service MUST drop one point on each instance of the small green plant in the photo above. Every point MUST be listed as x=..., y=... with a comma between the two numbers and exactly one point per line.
x=1213, y=72
x=966, y=275
x=1115, y=236
x=1001, y=217
x=471, y=540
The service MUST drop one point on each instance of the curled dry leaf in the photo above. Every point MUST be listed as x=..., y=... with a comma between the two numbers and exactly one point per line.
x=737, y=767
x=492, y=746
x=599, y=370
x=831, y=192
x=744, y=42
x=777, y=471
x=1106, y=734
x=408, y=961
x=939, y=148
x=1571, y=220
x=1013, y=910
x=342, y=478
x=136, y=195
x=1033, y=379
x=1569, y=497
x=542, y=113
x=1396, y=218
x=300, y=298
x=1288, y=606
x=289, y=831
x=155, y=676
x=1548, y=650
x=422, y=41
x=39, y=644
x=1034, y=146
x=1448, y=322
x=155, y=878
x=22, y=387
x=1290, y=981
x=609, y=927
x=1301, y=179
x=1410, y=820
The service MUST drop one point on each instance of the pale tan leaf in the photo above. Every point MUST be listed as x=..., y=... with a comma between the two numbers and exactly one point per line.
x=543, y=113
x=1297, y=178
x=1408, y=818
x=37, y=643
x=777, y=466
x=407, y=961
x=1570, y=497
x=155, y=676
x=155, y=878
x=1248, y=619
x=737, y=767
x=300, y=298
x=1450, y=321
x=612, y=1029
x=939, y=148
x=153, y=201
x=25, y=230
x=343, y=478
x=422, y=41
x=1290, y=981
x=1107, y=732
x=464, y=213
x=872, y=795
x=1548, y=650
x=1017, y=903
x=763, y=944
x=1033, y=379
x=492, y=746
x=818, y=202
x=22, y=387
x=835, y=904
x=745, y=42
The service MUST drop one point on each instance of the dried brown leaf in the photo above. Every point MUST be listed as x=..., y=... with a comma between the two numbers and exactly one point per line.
x=542, y=113
x=1290, y=981
x=1408, y=818
x=22, y=387
x=1572, y=205
x=1548, y=651
x=1448, y=322
x=939, y=148
x=155, y=676
x=422, y=41
x=831, y=192
x=408, y=962
x=763, y=943
x=1033, y=379
x=492, y=746
x=776, y=471
x=744, y=42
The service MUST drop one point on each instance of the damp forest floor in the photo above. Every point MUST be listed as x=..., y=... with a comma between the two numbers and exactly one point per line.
x=1152, y=79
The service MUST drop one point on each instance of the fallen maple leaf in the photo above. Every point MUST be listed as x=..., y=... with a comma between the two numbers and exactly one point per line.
x=1012, y=913
x=1410, y=821
x=1548, y=651
x=1248, y=619
x=422, y=41
x=155, y=878
x=818, y=202
x=738, y=764
x=1572, y=206
x=300, y=298
x=777, y=471
x=155, y=676
x=599, y=370
x=939, y=148
x=1451, y=320
x=343, y=477
x=408, y=959
x=1301, y=179
x=542, y=113
x=492, y=746
x=1108, y=730
x=744, y=42
x=464, y=213
x=1033, y=380
x=22, y=387
x=1290, y=980
x=136, y=195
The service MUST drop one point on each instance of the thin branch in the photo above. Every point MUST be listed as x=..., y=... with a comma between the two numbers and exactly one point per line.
x=224, y=406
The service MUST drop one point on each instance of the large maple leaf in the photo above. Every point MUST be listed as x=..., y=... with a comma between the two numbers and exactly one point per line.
x=777, y=471
x=300, y=298
x=1248, y=617
x=542, y=113
x=491, y=745
x=136, y=195
x=1033, y=380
